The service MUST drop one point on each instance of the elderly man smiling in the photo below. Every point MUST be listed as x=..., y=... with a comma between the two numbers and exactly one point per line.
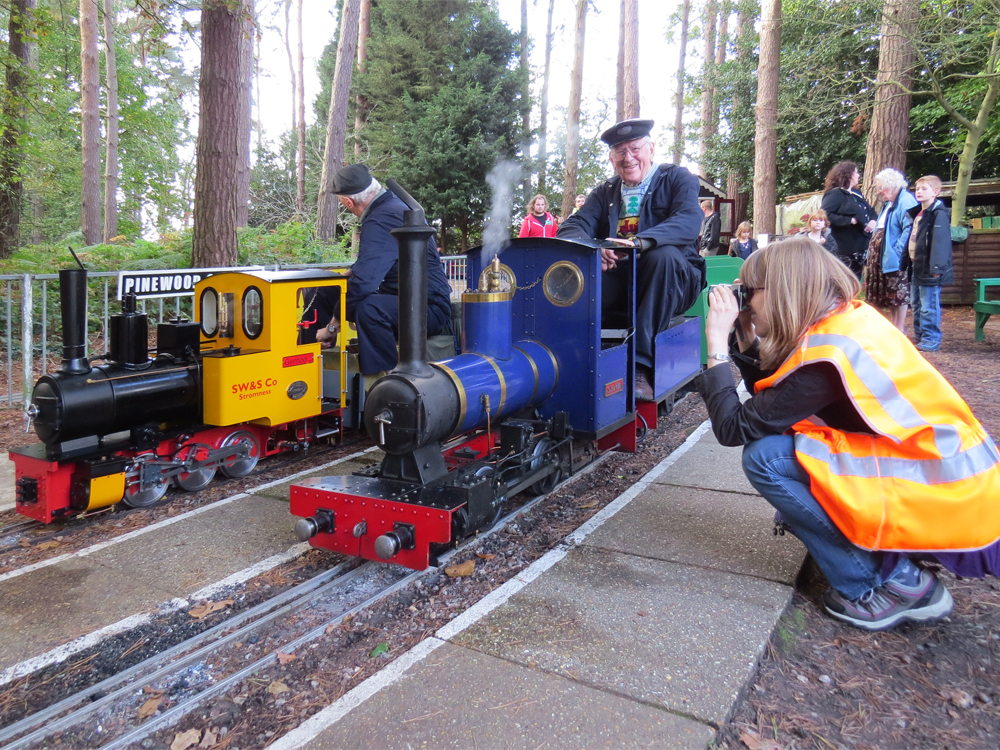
x=651, y=211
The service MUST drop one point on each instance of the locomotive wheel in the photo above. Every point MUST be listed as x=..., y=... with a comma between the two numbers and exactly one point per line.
x=194, y=480
x=240, y=467
x=542, y=447
x=135, y=496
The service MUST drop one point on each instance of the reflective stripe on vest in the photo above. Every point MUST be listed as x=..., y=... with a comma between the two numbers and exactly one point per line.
x=929, y=478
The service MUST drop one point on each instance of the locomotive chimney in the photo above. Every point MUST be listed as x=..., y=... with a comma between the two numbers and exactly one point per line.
x=73, y=296
x=412, y=238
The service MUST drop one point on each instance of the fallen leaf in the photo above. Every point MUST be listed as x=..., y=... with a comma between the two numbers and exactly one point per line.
x=380, y=649
x=24, y=543
x=284, y=658
x=755, y=742
x=208, y=740
x=458, y=571
x=151, y=691
x=953, y=713
x=184, y=740
x=484, y=556
x=49, y=545
x=277, y=688
x=208, y=608
x=149, y=707
x=591, y=504
x=330, y=628
x=961, y=699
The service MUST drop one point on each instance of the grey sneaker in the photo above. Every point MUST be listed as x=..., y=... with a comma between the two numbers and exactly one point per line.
x=891, y=603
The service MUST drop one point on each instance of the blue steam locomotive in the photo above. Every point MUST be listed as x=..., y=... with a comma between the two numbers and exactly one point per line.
x=539, y=389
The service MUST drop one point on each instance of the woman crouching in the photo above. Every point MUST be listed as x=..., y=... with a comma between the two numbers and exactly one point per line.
x=867, y=452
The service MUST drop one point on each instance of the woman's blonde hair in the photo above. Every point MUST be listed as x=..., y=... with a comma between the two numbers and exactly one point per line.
x=804, y=284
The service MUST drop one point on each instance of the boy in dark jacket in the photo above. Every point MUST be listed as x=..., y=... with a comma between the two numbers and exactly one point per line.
x=928, y=262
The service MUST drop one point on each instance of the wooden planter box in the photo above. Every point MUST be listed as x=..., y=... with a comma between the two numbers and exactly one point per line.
x=976, y=258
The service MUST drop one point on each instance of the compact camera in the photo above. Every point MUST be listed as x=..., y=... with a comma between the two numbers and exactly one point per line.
x=737, y=290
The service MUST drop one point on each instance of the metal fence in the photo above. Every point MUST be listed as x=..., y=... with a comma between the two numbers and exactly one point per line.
x=27, y=299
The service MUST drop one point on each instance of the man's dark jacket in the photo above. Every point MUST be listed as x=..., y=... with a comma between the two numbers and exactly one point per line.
x=933, y=247
x=711, y=226
x=669, y=215
x=377, y=266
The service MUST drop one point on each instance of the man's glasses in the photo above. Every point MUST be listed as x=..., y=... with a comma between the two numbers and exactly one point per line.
x=618, y=152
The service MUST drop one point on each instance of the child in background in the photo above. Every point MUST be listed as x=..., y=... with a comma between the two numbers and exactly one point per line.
x=928, y=262
x=742, y=244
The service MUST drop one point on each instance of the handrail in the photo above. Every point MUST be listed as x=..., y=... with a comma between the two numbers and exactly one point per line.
x=35, y=330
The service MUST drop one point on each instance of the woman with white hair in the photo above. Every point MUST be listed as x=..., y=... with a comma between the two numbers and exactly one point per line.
x=885, y=284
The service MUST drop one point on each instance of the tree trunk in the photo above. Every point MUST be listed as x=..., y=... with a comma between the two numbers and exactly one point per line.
x=336, y=124
x=291, y=72
x=721, y=41
x=707, y=82
x=525, y=107
x=246, y=118
x=15, y=119
x=543, y=121
x=735, y=187
x=214, y=237
x=90, y=142
x=766, y=139
x=361, y=103
x=573, y=122
x=679, y=101
x=889, y=136
x=111, y=141
x=256, y=78
x=300, y=185
x=628, y=61
x=974, y=136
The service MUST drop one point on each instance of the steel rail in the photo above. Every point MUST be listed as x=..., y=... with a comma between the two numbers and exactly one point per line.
x=112, y=688
x=161, y=665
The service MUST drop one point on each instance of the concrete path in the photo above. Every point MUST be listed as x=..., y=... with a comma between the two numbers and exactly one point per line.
x=641, y=632
x=58, y=607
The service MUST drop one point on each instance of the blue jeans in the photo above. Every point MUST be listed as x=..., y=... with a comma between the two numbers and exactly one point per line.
x=926, y=304
x=774, y=471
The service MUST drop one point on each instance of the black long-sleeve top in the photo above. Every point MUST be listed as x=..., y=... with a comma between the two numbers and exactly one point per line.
x=814, y=389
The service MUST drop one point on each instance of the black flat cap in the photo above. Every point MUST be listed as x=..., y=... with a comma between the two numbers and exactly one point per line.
x=626, y=130
x=351, y=180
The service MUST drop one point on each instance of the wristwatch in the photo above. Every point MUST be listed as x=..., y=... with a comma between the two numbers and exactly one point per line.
x=720, y=357
x=333, y=328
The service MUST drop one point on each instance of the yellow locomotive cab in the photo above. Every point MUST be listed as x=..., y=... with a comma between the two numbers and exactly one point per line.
x=255, y=368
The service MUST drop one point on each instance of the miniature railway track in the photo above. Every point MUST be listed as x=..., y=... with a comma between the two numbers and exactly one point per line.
x=105, y=715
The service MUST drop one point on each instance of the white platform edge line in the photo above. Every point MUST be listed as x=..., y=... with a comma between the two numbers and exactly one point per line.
x=170, y=521
x=626, y=497
x=333, y=713
x=242, y=576
x=501, y=594
x=84, y=642
x=309, y=729
x=61, y=653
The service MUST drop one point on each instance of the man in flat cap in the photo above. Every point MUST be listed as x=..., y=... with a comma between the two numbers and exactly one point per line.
x=649, y=211
x=373, y=287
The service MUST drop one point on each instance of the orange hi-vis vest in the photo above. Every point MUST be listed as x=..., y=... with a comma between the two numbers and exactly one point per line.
x=929, y=478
